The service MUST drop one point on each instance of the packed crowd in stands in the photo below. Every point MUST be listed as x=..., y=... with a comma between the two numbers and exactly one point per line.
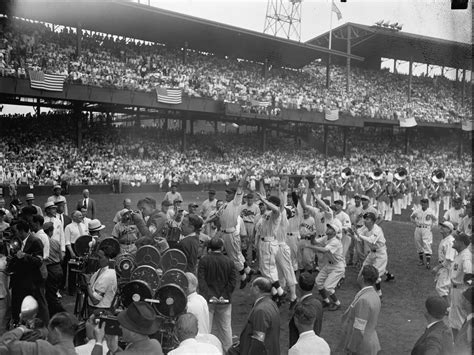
x=108, y=61
x=31, y=154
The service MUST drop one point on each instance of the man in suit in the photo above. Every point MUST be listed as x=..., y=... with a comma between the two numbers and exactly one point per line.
x=306, y=284
x=217, y=278
x=26, y=278
x=261, y=334
x=437, y=338
x=308, y=342
x=87, y=203
x=463, y=341
x=360, y=318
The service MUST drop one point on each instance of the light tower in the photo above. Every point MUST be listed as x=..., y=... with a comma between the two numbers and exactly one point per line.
x=284, y=19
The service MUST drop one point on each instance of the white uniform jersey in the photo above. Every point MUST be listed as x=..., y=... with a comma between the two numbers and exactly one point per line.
x=422, y=219
x=454, y=216
x=446, y=252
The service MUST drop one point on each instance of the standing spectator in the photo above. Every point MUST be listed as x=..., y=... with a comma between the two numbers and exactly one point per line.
x=308, y=342
x=58, y=234
x=126, y=232
x=209, y=206
x=461, y=269
x=102, y=285
x=57, y=197
x=191, y=229
x=186, y=330
x=36, y=224
x=72, y=232
x=261, y=334
x=87, y=203
x=55, y=272
x=306, y=284
x=30, y=199
x=446, y=255
x=197, y=304
x=437, y=338
x=217, y=279
x=26, y=278
x=173, y=194
x=4, y=292
x=360, y=319
x=463, y=340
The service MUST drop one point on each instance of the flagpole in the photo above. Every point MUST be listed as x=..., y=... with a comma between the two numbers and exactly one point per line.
x=330, y=24
x=328, y=73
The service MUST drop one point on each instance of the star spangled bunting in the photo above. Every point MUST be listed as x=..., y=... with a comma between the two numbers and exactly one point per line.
x=49, y=82
x=169, y=96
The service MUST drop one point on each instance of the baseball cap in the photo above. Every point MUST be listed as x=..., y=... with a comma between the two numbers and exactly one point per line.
x=29, y=197
x=193, y=204
x=177, y=200
x=356, y=196
x=424, y=200
x=365, y=197
x=447, y=224
x=339, y=202
x=56, y=187
x=436, y=306
x=212, y=191
x=166, y=203
x=249, y=195
x=231, y=190
x=370, y=215
x=334, y=226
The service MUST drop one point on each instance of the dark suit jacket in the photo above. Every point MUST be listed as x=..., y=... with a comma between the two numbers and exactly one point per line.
x=216, y=276
x=90, y=207
x=314, y=303
x=463, y=341
x=26, y=271
x=264, y=317
x=436, y=340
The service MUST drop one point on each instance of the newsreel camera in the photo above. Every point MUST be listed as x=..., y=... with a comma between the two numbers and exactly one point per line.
x=157, y=279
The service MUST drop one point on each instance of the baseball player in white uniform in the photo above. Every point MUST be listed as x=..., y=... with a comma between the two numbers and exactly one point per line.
x=424, y=219
x=461, y=270
x=306, y=231
x=466, y=223
x=455, y=213
x=345, y=220
x=295, y=217
x=249, y=212
x=373, y=235
x=266, y=231
x=228, y=215
x=334, y=266
x=446, y=255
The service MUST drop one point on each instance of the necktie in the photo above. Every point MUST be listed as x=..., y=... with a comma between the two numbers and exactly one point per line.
x=85, y=203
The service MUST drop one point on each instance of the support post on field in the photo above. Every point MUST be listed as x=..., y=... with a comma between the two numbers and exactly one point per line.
x=326, y=131
x=183, y=137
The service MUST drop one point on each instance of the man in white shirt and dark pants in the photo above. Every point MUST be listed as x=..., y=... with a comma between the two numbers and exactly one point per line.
x=186, y=330
x=197, y=305
x=308, y=342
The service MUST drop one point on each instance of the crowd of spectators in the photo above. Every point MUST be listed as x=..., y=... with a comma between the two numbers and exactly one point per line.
x=42, y=150
x=110, y=61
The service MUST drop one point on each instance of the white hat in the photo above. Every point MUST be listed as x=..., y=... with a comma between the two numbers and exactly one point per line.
x=447, y=224
x=29, y=197
x=334, y=226
x=56, y=187
x=49, y=204
x=95, y=225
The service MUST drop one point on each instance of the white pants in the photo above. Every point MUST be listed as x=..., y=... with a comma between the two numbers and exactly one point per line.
x=443, y=282
x=423, y=240
x=267, y=251
x=456, y=314
x=397, y=206
x=329, y=277
x=446, y=200
x=220, y=322
x=286, y=274
x=233, y=250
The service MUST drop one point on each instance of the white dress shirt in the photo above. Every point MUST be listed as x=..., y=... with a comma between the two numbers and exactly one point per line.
x=197, y=305
x=193, y=347
x=73, y=231
x=41, y=235
x=58, y=231
x=310, y=343
x=86, y=349
x=104, y=285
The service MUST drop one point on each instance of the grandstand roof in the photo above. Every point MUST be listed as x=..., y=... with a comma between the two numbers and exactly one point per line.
x=367, y=41
x=152, y=24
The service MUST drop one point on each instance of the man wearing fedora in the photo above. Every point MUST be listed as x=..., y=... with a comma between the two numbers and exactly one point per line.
x=30, y=199
x=57, y=197
x=137, y=323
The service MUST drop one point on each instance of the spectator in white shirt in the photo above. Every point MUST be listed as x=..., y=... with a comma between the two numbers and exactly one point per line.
x=308, y=342
x=186, y=330
x=197, y=305
x=73, y=231
x=102, y=286
x=37, y=227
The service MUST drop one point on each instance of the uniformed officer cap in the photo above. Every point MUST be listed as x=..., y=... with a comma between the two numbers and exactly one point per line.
x=436, y=306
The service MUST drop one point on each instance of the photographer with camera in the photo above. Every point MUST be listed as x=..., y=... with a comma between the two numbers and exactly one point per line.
x=136, y=323
x=61, y=331
x=126, y=232
x=25, y=266
x=152, y=229
x=102, y=285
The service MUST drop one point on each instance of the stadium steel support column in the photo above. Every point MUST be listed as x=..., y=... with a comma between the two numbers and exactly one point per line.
x=328, y=72
x=183, y=129
x=410, y=73
x=76, y=113
x=326, y=131
x=79, y=39
x=264, y=138
x=407, y=140
x=216, y=127
x=344, y=141
x=463, y=86
x=348, y=60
